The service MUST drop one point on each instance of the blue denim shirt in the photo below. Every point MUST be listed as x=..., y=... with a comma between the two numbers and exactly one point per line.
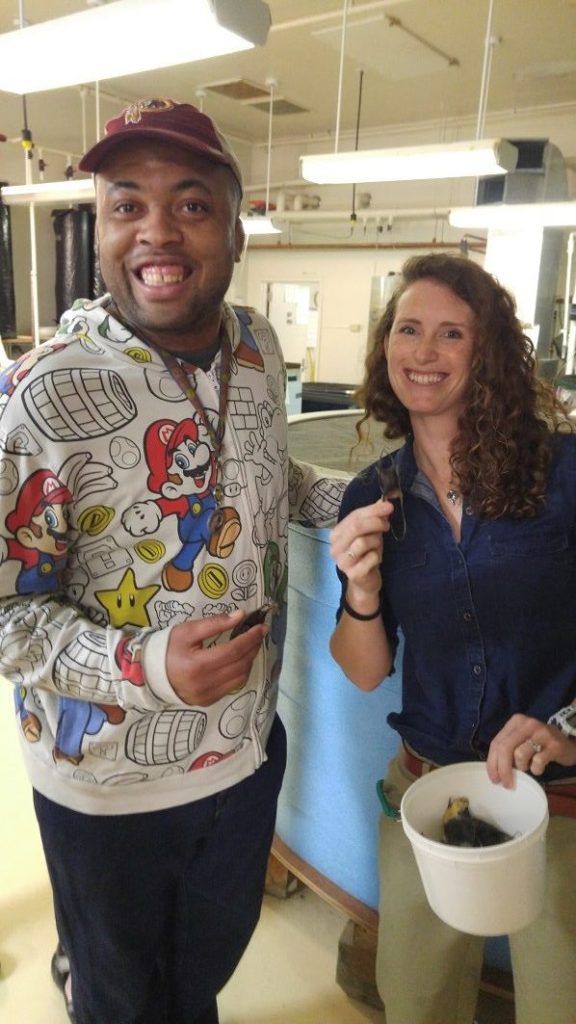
x=489, y=623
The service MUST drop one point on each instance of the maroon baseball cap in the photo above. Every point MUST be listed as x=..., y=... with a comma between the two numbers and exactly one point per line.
x=168, y=121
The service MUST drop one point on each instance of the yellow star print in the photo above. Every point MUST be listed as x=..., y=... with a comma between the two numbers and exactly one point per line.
x=127, y=604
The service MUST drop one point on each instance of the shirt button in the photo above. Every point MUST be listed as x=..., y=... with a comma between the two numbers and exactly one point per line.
x=466, y=616
x=477, y=670
x=469, y=510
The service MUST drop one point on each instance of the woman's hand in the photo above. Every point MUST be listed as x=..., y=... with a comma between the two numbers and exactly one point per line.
x=361, y=648
x=356, y=547
x=529, y=745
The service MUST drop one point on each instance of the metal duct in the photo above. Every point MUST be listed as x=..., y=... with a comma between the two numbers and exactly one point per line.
x=540, y=176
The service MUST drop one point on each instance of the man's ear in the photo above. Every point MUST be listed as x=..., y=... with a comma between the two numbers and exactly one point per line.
x=240, y=238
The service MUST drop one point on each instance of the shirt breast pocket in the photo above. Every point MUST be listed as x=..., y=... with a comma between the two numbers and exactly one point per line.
x=533, y=575
x=398, y=558
x=552, y=544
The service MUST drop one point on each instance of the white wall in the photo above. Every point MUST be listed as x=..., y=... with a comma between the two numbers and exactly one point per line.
x=345, y=281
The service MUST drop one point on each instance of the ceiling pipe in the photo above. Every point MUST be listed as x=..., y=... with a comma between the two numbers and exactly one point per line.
x=50, y=149
x=315, y=19
x=362, y=216
x=424, y=245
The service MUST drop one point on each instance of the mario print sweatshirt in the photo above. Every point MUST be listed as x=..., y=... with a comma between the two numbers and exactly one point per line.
x=117, y=521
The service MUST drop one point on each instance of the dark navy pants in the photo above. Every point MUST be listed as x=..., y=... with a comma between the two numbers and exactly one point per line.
x=155, y=910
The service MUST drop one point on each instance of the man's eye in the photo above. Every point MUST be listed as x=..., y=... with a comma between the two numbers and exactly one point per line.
x=194, y=206
x=125, y=207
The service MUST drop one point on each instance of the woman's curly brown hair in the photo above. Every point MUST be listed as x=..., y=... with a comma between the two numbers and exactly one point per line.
x=501, y=455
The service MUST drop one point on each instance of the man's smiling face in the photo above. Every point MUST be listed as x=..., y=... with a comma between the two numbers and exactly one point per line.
x=169, y=234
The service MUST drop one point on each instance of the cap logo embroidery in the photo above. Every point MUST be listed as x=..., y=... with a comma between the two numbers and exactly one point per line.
x=133, y=113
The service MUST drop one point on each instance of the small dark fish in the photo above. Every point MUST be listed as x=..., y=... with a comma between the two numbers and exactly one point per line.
x=388, y=481
x=390, y=490
x=461, y=828
x=255, y=618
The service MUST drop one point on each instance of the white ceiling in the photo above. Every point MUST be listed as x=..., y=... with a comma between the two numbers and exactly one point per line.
x=422, y=62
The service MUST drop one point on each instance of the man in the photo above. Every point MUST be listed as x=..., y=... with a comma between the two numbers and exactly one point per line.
x=148, y=651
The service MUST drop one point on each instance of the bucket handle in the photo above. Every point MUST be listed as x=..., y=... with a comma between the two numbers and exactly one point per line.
x=387, y=808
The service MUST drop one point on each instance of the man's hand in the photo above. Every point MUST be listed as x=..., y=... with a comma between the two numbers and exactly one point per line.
x=202, y=675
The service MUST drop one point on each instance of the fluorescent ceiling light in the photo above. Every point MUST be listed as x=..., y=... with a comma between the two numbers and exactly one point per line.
x=411, y=163
x=126, y=37
x=515, y=215
x=77, y=190
x=259, y=226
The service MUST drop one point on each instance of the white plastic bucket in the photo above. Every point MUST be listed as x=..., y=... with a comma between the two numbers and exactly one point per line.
x=494, y=890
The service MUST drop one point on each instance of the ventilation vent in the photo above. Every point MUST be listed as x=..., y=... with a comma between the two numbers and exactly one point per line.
x=253, y=95
x=238, y=89
x=279, y=106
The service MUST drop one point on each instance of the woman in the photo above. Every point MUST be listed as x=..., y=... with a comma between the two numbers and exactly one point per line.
x=472, y=553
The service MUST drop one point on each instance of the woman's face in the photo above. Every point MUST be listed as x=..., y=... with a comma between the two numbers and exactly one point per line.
x=429, y=350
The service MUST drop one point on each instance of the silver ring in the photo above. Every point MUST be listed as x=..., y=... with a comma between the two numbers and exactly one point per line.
x=536, y=747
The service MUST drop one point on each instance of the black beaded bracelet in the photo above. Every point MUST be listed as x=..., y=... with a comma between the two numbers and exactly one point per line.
x=357, y=615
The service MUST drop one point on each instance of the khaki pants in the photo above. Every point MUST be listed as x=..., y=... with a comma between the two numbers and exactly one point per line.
x=429, y=973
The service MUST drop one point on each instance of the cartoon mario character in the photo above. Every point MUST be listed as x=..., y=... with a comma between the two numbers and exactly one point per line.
x=183, y=471
x=129, y=660
x=30, y=723
x=77, y=719
x=39, y=523
x=247, y=351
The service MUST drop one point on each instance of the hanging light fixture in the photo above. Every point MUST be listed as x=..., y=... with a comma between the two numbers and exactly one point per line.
x=260, y=224
x=475, y=158
x=73, y=190
x=508, y=216
x=411, y=163
x=125, y=38
x=257, y=225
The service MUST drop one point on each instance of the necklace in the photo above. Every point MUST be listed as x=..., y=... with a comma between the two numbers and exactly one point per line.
x=452, y=495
